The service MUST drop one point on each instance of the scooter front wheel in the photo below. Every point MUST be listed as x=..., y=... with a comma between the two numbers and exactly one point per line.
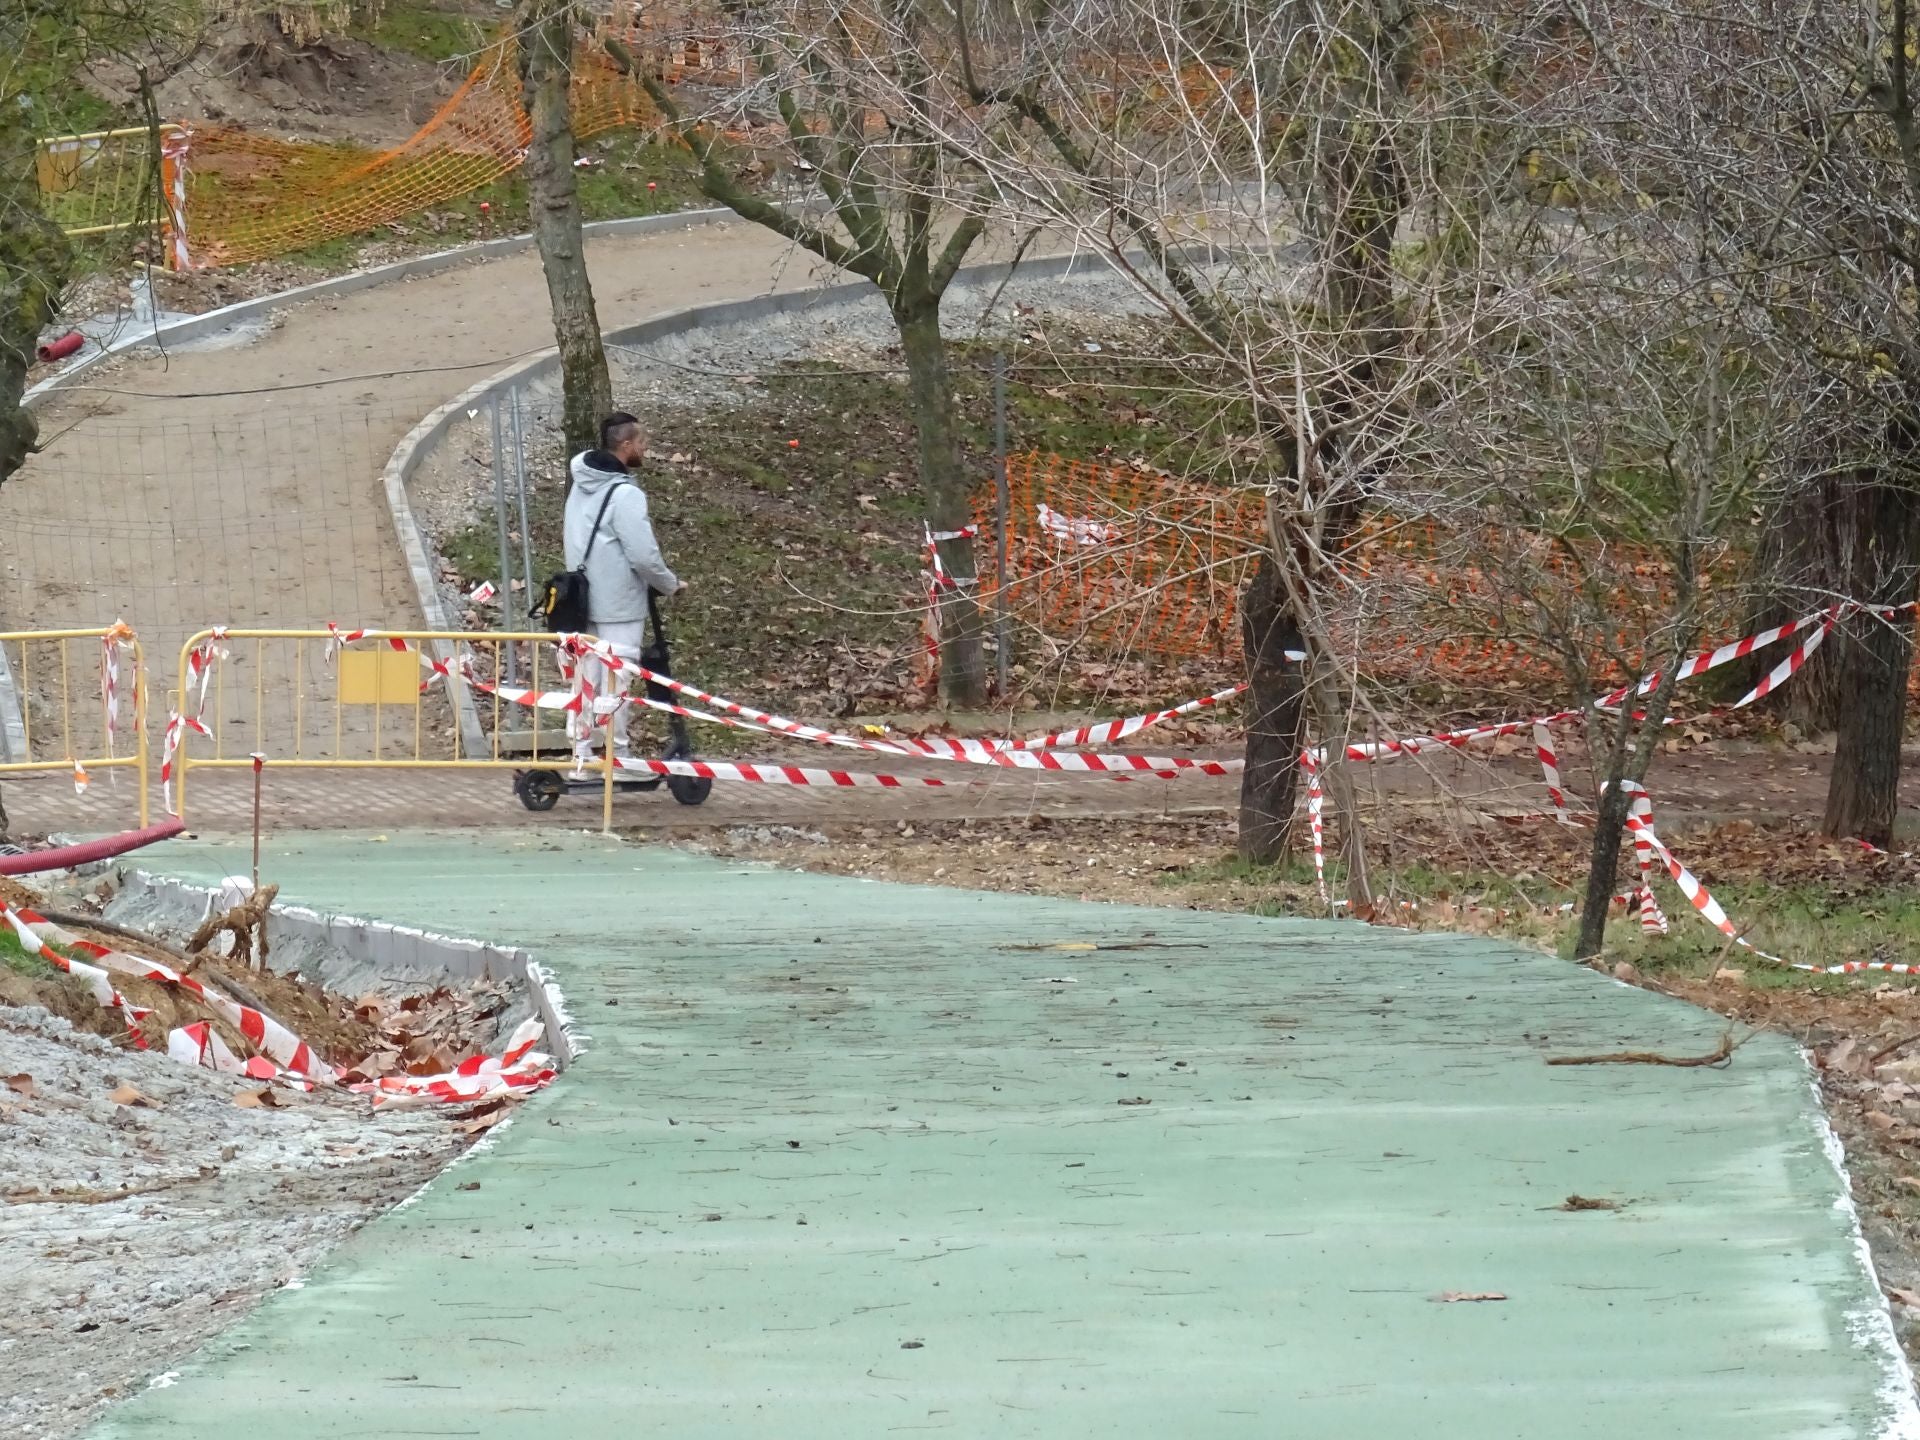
x=687, y=789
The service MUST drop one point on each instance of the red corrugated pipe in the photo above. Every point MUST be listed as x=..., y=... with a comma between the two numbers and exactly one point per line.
x=61, y=348
x=87, y=853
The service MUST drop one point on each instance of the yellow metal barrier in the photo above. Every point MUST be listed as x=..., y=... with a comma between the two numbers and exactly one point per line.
x=293, y=698
x=63, y=714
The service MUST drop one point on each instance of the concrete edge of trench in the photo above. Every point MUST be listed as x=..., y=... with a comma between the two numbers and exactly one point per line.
x=407, y=947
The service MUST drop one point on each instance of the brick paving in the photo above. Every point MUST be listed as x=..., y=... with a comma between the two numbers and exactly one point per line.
x=221, y=801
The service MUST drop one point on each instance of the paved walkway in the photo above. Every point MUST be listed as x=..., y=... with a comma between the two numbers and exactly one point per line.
x=236, y=480
x=842, y=1162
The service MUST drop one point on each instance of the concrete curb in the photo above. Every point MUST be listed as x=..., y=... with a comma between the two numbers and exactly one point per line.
x=195, y=327
x=399, y=947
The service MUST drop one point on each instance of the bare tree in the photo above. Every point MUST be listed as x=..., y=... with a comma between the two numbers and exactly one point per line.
x=854, y=99
x=1796, y=120
x=1322, y=154
x=547, y=30
x=1597, y=481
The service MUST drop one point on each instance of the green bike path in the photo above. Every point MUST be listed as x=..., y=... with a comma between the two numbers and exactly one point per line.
x=847, y=1159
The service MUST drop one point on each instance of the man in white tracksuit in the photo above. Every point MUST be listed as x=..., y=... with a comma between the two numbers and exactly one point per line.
x=622, y=563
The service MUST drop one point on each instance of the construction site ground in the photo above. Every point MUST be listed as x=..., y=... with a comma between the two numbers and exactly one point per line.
x=846, y=1158
x=1387, y=1155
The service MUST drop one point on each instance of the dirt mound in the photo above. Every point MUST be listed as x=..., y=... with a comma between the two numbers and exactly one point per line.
x=253, y=73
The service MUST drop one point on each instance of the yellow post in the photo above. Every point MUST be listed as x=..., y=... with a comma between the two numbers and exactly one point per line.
x=606, y=797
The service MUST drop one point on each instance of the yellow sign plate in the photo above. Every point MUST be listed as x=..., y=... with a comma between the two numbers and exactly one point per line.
x=379, y=677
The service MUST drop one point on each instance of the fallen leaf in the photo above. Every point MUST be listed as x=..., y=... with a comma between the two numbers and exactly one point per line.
x=1587, y=1202
x=255, y=1099
x=1731, y=976
x=483, y=1122
x=1904, y=1297
x=468, y=1185
x=1908, y=1182
x=21, y=1085
x=1137, y=1100
x=1454, y=1297
x=127, y=1095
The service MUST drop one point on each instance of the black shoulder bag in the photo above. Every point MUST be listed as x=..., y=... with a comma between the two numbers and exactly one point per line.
x=563, y=603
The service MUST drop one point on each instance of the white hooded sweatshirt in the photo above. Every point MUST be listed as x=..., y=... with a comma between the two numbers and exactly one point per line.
x=626, y=558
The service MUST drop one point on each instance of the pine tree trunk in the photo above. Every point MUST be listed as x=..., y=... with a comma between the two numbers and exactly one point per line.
x=546, y=56
x=1270, y=783
x=943, y=486
x=1880, y=527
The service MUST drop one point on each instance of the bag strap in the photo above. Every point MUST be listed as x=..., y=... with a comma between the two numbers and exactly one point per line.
x=594, y=534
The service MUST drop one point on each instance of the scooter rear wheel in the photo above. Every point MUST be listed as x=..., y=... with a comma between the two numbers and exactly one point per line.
x=539, y=789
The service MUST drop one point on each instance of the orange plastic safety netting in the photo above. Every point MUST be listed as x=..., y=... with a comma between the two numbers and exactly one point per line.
x=248, y=197
x=1135, y=563
x=1129, y=561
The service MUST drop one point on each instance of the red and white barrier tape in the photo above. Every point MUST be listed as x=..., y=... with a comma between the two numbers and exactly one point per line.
x=1158, y=767
x=1640, y=823
x=261, y=1030
x=99, y=984
x=286, y=1057
x=1648, y=846
x=200, y=662
x=518, y=1067
x=1316, y=821
x=117, y=638
x=936, y=582
x=1034, y=753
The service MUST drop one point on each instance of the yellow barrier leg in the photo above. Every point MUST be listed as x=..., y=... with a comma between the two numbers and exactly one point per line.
x=606, y=796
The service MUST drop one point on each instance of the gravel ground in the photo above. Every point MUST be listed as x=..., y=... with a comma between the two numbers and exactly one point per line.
x=221, y=1205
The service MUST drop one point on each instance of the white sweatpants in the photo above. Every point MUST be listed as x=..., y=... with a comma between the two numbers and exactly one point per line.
x=624, y=638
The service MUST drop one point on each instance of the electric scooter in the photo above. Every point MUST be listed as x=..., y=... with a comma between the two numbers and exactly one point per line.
x=542, y=789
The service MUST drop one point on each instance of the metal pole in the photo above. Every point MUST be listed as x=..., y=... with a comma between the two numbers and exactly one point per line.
x=520, y=486
x=1003, y=657
x=500, y=522
x=258, y=761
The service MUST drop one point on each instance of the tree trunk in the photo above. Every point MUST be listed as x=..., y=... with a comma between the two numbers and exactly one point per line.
x=943, y=485
x=1878, y=526
x=546, y=56
x=1276, y=709
x=1603, y=868
x=34, y=260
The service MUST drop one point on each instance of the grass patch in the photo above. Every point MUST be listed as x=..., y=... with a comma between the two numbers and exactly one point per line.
x=1802, y=920
x=17, y=959
x=803, y=558
x=614, y=189
x=425, y=31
